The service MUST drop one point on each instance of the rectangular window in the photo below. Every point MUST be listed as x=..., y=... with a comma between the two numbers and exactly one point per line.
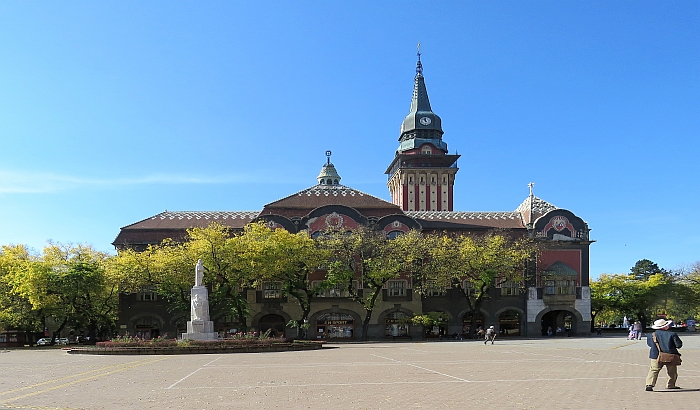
x=549, y=287
x=509, y=288
x=397, y=288
x=272, y=290
x=147, y=295
x=337, y=291
x=468, y=287
x=432, y=290
x=566, y=287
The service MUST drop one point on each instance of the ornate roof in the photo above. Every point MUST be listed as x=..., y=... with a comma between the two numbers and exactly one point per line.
x=319, y=195
x=174, y=225
x=191, y=219
x=534, y=207
x=466, y=220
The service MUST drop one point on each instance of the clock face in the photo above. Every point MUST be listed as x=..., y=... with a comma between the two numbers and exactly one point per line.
x=425, y=120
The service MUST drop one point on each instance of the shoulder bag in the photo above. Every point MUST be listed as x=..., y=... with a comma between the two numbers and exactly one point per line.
x=670, y=359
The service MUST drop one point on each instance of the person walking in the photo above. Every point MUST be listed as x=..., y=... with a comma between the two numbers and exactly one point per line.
x=667, y=342
x=638, y=329
x=490, y=335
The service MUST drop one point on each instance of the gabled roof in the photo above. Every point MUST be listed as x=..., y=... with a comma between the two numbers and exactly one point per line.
x=320, y=195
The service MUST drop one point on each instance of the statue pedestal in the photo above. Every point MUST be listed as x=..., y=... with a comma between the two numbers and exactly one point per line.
x=200, y=330
x=200, y=327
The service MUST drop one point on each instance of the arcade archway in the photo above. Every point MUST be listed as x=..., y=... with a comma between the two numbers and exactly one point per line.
x=274, y=323
x=509, y=323
x=558, y=323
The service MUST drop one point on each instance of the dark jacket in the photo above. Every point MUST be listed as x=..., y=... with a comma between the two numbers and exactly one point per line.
x=669, y=342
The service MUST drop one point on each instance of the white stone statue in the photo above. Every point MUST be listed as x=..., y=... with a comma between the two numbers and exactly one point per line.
x=198, y=273
x=197, y=308
x=199, y=327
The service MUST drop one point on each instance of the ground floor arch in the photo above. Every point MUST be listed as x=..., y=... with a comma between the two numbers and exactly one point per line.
x=272, y=323
x=559, y=323
x=510, y=322
x=396, y=323
x=335, y=325
x=470, y=330
x=145, y=325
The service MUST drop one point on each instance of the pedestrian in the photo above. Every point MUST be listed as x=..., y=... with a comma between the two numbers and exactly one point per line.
x=667, y=342
x=638, y=329
x=490, y=335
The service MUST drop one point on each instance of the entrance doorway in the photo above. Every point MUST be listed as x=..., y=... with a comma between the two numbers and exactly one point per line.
x=558, y=323
x=273, y=323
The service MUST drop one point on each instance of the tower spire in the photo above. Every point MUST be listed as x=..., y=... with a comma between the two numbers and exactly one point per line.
x=419, y=65
x=422, y=174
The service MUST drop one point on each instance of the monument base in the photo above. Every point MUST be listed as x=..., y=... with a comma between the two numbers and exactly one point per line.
x=200, y=330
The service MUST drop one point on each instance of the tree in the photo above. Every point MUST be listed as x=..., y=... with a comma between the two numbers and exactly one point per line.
x=168, y=268
x=70, y=284
x=476, y=264
x=16, y=311
x=645, y=268
x=366, y=255
x=290, y=259
x=639, y=293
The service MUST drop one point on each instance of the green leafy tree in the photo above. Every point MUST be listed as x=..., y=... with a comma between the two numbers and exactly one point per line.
x=430, y=319
x=168, y=268
x=368, y=256
x=644, y=269
x=290, y=259
x=71, y=285
x=16, y=311
x=476, y=264
x=640, y=293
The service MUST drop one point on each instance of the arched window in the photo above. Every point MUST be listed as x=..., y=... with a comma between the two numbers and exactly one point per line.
x=394, y=234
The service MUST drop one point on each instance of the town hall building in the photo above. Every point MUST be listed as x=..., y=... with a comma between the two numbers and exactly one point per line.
x=421, y=183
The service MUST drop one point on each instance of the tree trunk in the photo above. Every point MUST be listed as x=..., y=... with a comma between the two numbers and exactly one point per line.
x=57, y=333
x=368, y=313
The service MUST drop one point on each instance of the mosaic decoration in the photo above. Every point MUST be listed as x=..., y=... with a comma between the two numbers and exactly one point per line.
x=559, y=223
x=334, y=220
x=462, y=215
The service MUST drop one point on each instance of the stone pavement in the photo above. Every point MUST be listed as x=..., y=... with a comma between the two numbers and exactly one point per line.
x=563, y=373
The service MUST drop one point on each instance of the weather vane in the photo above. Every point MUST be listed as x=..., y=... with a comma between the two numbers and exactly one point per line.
x=328, y=154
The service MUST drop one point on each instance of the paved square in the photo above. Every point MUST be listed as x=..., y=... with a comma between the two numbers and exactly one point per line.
x=565, y=373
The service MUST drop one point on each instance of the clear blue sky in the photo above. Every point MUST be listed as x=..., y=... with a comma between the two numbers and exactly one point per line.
x=111, y=112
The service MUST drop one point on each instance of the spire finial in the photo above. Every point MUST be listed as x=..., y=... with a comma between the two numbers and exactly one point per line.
x=328, y=154
x=419, y=66
x=531, y=185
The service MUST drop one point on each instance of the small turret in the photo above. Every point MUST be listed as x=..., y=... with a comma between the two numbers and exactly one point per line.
x=328, y=174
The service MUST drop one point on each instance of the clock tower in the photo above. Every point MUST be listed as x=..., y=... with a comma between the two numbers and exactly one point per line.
x=422, y=174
